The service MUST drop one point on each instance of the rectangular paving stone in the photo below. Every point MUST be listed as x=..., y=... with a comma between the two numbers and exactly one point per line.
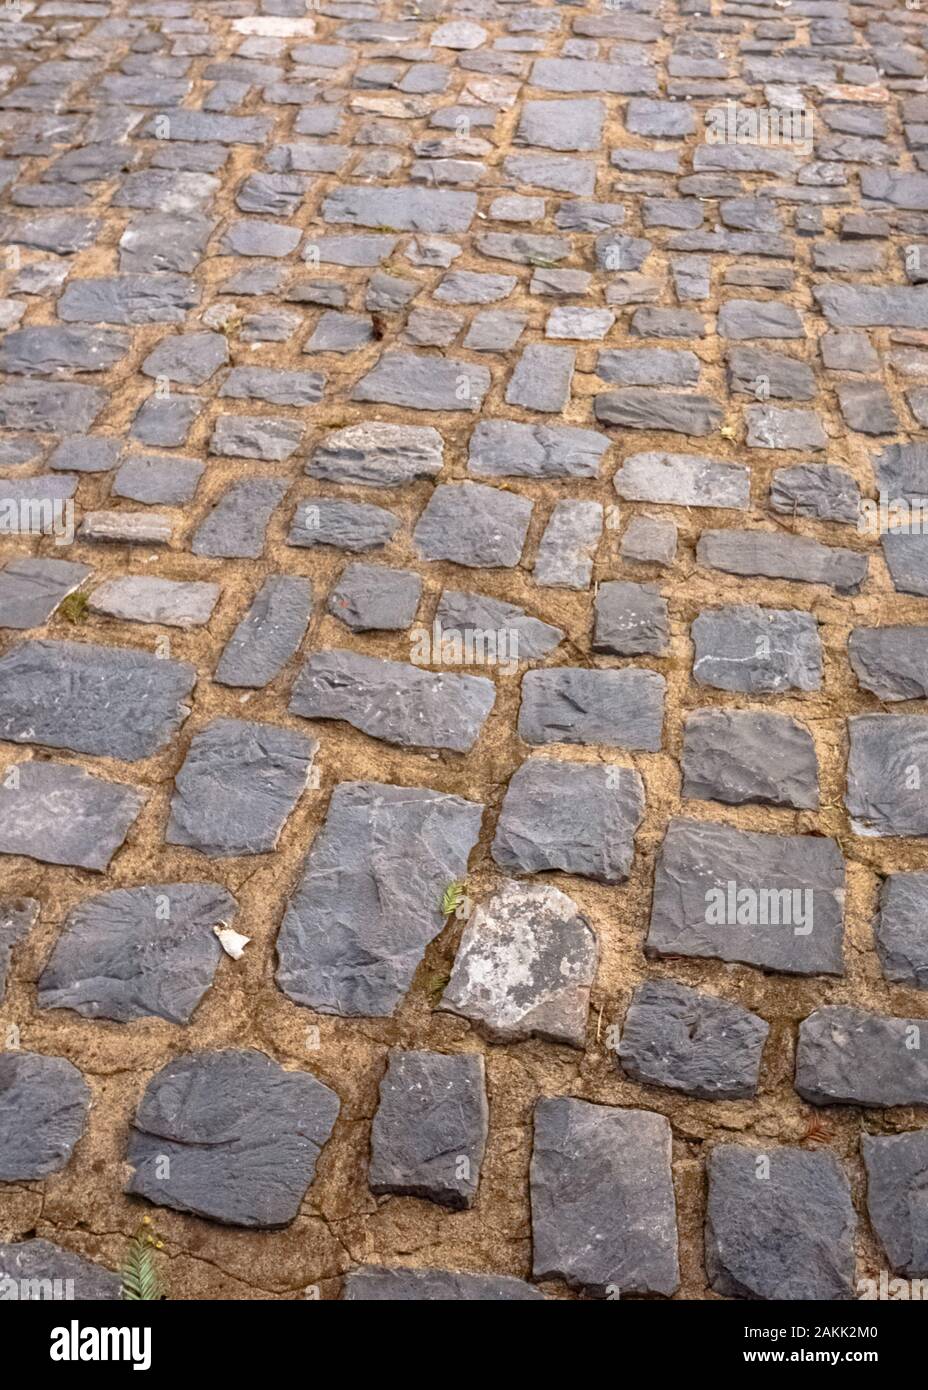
x=684, y=480
x=116, y=702
x=236, y=787
x=268, y=635
x=850, y=1056
x=369, y=900
x=571, y=704
x=603, y=1210
x=430, y=1129
x=408, y=209
x=60, y=814
x=886, y=792
x=393, y=701
x=773, y=901
x=145, y=599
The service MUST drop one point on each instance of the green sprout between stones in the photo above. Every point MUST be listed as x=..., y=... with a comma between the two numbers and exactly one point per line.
x=452, y=898
x=140, y=1279
x=74, y=608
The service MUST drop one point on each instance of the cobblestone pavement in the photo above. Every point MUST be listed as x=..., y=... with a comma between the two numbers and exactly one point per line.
x=461, y=503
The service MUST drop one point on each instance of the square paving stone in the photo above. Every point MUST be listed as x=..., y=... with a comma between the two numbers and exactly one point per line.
x=238, y=784
x=218, y=1123
x=580, y=818
x=780, y=1224
x=901, y=929
x=649, y=540
x=741, y=756
x=849, y=1056
x=541, y=378
x=187, y=358
x=630, y=619
x=370, y=897
x=372, y=597
x=138, y=952
x=892, y=662
x=474, y=525
x=756, y=650
x=111, y=701
x=407, y=209
x=158, y=481
x=603, y=1212
x=32, y=588
x=691, y=1042
x=897, y=1197
x=44, y=1103
x=393, y=701
x=268, y=635
x=622, y=709
x=773, y=901
x=887, y=774
x=525, y=966
x=430, y=1128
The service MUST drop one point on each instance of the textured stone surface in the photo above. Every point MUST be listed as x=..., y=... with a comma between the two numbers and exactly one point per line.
x=570, y=816
x=225, y=1120
x=741, y=756
x=892, y=662
x=38, y=1271
x=17, y=917
x=116, y=702
x=850, y=1056
x=525, y=966
x=464, y=379
x=377, y=454
x=779, y=1225
x=687, y=480
x=31, y=589
x=393, y=701
x=759, y=650
x=622, y=709
x=775, y=901
x=603, y=1212
x=897, y=1168
x=430, y=1130
x=886, y=794
x=369, y=900
x=901, y=929
x=691, y=1042
x=474, y=525
x=43, y=1112
x=269, y=633
x=138, y=952
x=239, y=782
x=60, y=814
